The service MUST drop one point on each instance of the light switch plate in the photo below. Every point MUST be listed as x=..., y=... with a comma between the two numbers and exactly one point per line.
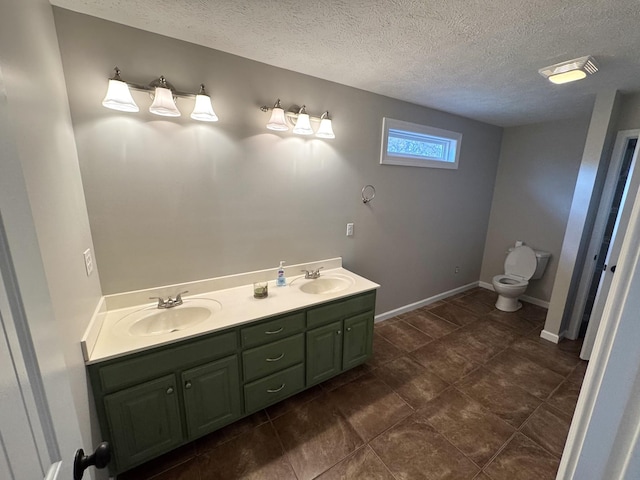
x=349, y=229
x=88, y=261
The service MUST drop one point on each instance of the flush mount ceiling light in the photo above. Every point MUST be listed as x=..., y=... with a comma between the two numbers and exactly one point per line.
x=164, y=96
x=570, y=71
x=299, y=119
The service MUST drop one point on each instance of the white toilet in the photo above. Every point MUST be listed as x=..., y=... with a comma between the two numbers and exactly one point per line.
x=522, y=264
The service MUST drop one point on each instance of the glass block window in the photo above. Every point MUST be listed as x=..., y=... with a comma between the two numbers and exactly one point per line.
x=414, y=145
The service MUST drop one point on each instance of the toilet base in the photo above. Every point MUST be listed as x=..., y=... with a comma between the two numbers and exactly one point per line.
x=507, y=304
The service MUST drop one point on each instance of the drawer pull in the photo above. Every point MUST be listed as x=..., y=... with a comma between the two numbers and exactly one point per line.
x=273, y=332
x=276, y=390
x=187, y=385
x=348, y=329
x=280, y=357
x=169, y=390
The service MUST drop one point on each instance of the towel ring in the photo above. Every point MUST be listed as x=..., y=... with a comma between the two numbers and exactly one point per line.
x=368, y=193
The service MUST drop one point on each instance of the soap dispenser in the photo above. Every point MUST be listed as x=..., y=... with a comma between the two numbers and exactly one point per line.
x=281, y=280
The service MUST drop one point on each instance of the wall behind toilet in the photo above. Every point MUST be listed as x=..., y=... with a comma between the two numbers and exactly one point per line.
x=534, y=187
x=177, y=200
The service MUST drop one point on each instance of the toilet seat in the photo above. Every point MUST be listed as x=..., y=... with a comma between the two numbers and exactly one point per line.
x=512, y=281
x=521, y=263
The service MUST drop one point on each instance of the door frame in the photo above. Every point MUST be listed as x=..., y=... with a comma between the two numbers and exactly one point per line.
x=605, y=431
x=599, y=226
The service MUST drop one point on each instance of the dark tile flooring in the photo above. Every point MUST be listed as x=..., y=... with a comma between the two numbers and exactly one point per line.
x=455, y=390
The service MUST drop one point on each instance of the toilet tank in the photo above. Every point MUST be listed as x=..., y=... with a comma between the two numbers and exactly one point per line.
x=542, y=260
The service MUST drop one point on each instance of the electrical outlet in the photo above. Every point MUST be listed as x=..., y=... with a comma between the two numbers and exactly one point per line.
x=457, y=270
x=349, y=229
x=88, y=261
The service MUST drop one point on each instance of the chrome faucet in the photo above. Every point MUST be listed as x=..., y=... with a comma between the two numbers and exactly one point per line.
x=312, y=274
x=169, y=302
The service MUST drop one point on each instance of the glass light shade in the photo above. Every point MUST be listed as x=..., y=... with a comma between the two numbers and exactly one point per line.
x=277, y=121
x=163, y=103
x=303, y=125
x=567, y=77
x=119, y=97
x=325, y=130
x=203, y=110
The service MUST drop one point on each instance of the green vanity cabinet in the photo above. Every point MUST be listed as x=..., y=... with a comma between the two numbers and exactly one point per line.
x=144, y=421
x=211, y=396
x=342, y=337
x=153, y=401
x=324, y=352
x=358, y=340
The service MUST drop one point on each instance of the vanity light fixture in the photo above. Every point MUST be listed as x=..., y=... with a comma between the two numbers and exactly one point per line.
x=164, y=96
x=118, y=96
x=303, y=123
x=325, y=130
x=299, y=119
x=277, y=121
x=203, y=110
x=570, y=71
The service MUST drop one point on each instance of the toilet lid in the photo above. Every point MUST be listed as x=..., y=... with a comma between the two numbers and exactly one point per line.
x=521, y=262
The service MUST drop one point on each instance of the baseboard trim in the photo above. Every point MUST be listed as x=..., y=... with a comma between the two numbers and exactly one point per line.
x=552, y=337
x=422, y=303
x=526, y=298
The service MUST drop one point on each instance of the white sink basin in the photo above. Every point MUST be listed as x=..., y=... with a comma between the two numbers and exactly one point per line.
x=327, y=284
x=152, y=320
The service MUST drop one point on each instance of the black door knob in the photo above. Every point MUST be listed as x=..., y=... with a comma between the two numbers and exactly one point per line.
x=613, y=268
x=100, y=458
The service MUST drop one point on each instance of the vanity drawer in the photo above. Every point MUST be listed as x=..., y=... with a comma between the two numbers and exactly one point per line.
x=274, y=356
x=341, y=309
x=143, y=367
x=272, y=330
x=273, y=388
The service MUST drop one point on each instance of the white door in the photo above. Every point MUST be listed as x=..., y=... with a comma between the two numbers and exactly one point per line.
x=16, y=439
x=39, y=431
x=619, y=230
x=38, y=428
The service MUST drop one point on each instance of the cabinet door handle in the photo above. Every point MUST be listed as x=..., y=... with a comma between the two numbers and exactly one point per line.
x=273, y=332
x=187, y=385
x=276, y=390
x=348, y=329
x=280, y=357
x=338, y=332
x=169, y=390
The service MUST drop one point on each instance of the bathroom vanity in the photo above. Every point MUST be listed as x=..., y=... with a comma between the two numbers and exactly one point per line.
x=171, y=391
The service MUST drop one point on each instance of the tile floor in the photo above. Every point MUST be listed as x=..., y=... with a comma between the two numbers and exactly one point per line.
x=456, y=390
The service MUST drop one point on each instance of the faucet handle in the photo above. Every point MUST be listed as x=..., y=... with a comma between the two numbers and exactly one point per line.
x=179, y=297
x=161, y=301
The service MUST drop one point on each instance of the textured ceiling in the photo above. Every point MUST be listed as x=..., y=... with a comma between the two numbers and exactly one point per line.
x=477, y=58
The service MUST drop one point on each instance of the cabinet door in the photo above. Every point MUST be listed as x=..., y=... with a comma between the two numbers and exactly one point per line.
x=211, y=395
x=144, y=421
x=358, y=340
x=324, y=352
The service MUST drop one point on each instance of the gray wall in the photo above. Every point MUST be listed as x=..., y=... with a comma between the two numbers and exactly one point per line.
x=629, y=117
x=40, y=126
x=177, y=200
x=534, y=187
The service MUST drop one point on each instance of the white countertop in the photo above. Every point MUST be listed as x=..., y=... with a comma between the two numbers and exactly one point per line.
x=102, y=341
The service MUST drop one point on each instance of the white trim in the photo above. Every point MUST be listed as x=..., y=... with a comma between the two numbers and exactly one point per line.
x=606, y=199
x=551, y=337
x=427, y=301
x=526, y=298
x=601, y=434
x=453, y=140
x=54, y=471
